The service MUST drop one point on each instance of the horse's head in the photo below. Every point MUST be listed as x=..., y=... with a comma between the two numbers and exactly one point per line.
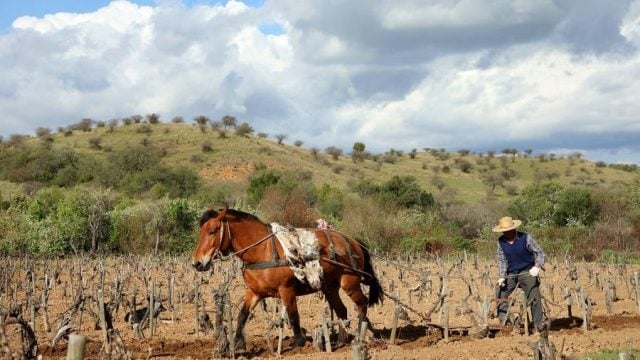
x=212, y=240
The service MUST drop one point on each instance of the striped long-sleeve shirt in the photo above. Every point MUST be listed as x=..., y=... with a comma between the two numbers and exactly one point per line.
x=532, y=246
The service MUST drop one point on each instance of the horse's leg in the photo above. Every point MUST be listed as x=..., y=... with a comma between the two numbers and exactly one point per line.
x=351, y=285
x=333, y=297
x=251, y=299
x=288, y=297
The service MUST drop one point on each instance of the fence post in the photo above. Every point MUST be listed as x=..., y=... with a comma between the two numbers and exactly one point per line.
x=525, y=313
x=75, y=349
x=325, y=331
x=394, y=325
x=445, y=312
x=636, y=276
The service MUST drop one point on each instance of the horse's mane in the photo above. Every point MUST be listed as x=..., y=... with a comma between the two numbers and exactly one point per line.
x=236, y=214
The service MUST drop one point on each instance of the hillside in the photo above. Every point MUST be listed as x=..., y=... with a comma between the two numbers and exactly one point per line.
x=234, y=158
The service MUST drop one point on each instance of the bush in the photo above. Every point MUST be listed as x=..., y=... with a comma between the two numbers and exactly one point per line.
x=259, y=183
x=536, y=204
x=464, y=165
x=153, y=118
x=405, y=191
x=95, y=142
x=288, y=206
x=576, y=206
x=181, y=182
x=334, y=152
x=330, y=201
x=83, y=125
x=229, y=121
x=44, y=203
x=207, y=146
x=244, y=129
x=280, y=138
x=135, y=227
x=42, y=131
x=144, y=129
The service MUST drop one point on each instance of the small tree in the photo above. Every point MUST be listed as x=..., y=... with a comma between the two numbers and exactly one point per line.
x=215, y=125
x=137, y=119
x=298, y=143
x=99, y=203
x=334, y=152
x=113, y=123
x=358, y=147
x=177, y=120
x=244, y=129
x=207, y=146
x=229, y=121
x=263, y=135
x=464, y=152
x=153, y=118
x=127, y=121
x=413, y=153
x=280, y=138
x=201, y=120
x=42, y=131
x=95, y=143
x=83, y=125
x=493, y=180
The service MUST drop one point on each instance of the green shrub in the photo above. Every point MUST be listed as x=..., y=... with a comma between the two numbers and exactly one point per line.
x=576, y=206
x=44, y=203
x=330, y=201
x=181, y=182
x=536, y=204
x=259, y=183
x=405, y=191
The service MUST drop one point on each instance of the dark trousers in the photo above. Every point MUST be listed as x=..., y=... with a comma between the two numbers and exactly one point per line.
x=531, y=286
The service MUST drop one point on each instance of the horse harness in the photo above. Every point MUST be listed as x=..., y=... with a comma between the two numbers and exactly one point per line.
x=276, y=261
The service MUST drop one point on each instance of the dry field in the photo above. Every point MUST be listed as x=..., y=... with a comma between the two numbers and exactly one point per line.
x=415, y=283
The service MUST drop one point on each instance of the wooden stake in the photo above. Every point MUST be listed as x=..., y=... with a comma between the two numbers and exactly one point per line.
x=525, y=313
x=103, y=321
x=394, y=325
x=196, y=302
x=75, y=349
x=445, y=312
x=325, y=332
x=636, y=277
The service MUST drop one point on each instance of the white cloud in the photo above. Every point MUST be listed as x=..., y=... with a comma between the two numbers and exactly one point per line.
x=398, y=74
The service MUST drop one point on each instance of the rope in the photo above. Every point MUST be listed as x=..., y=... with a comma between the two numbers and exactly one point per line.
x=227, y=257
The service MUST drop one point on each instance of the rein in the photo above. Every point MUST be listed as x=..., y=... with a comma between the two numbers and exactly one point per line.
x=221, y=257
x=276, y=261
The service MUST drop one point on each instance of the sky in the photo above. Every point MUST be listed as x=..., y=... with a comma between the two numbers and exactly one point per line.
x=555, y=76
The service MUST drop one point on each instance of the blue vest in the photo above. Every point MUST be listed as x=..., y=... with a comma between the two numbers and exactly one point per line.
x=517, y=254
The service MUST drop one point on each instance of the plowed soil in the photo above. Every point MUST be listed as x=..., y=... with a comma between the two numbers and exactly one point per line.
x=416, y=339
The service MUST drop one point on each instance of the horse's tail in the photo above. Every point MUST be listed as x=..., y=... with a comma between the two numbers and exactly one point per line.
x=375, y=289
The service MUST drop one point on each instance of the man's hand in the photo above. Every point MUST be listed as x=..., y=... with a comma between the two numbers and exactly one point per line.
x=501, y=282
x=534, y=271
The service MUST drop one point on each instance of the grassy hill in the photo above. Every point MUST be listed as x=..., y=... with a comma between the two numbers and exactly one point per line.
x=233, y=159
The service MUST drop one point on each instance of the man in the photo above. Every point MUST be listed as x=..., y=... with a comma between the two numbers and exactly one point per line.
x=520, y=259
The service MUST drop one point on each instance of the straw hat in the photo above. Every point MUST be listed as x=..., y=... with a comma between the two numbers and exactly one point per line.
x=506, y=224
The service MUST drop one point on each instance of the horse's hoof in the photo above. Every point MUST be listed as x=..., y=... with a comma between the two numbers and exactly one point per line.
x=240, y=345
x=300, y=341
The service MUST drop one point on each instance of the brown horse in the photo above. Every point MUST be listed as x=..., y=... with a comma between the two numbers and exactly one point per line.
x=345, y=264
